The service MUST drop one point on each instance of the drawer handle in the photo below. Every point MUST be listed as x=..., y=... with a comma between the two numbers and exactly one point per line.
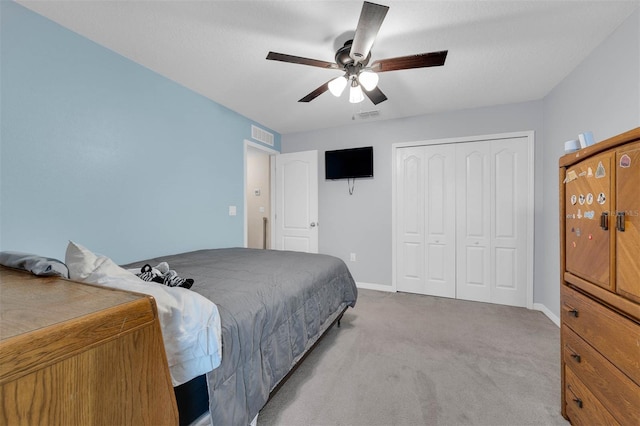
x=578, y=402
x=576, y=356
x=573, y=312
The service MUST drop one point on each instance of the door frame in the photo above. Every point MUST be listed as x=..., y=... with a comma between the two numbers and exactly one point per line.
x=530, y=136
x=272, y=184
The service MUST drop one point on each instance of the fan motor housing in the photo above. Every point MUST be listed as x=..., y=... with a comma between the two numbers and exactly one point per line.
x=344, y=60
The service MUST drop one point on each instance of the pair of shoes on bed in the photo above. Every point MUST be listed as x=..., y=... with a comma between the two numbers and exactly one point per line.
x=163, y=275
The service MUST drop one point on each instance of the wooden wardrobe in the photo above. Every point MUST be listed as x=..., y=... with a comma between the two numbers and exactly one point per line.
x=600, y=282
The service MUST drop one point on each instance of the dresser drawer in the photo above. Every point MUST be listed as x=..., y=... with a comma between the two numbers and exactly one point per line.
x=614, y=336
x=583, y=408
x=608, y=384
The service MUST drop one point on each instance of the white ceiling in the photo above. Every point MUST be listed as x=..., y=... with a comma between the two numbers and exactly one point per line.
x=500, y=52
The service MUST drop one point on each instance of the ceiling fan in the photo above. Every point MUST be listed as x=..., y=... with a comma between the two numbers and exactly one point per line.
x=354, y=57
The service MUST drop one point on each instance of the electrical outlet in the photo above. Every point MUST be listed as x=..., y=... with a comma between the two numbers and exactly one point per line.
x=352, y=257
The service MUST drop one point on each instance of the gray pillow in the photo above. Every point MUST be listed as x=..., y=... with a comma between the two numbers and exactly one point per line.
x=37, y=265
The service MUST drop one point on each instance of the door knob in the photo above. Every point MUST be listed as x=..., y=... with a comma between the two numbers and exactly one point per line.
x=313, y=224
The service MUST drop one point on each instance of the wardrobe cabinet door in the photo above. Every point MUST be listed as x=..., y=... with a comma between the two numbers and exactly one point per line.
x=589, y=219
x=627, y=222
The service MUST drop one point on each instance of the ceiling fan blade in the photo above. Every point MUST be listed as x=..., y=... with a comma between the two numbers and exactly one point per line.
x=433, y=59
x=273, y=56
x=375, y=95
x=369, y=24
x=319, y=91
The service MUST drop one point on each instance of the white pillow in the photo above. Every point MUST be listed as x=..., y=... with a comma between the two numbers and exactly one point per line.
x=190, y=322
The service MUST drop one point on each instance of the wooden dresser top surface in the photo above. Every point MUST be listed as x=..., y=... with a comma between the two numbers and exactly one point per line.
x=29, y=302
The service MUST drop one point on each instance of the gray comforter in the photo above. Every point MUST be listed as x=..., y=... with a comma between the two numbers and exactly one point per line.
x=273, y=307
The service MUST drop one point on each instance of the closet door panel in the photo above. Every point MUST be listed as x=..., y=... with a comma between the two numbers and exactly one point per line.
x=410, y=219
x=440, y=221
x=509, y=221
x=473, y=209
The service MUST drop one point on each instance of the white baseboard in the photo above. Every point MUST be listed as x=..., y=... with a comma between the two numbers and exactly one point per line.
x=378, y=287
x=540, y=307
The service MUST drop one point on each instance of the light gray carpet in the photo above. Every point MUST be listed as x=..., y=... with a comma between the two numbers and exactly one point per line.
x=404, y=359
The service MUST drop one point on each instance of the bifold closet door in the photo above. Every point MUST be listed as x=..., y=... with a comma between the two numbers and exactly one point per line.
x=473, y=218
x=425, y=233
x=492, y=205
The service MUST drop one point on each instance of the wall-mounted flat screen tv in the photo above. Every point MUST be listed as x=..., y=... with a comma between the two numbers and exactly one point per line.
x=349, y=163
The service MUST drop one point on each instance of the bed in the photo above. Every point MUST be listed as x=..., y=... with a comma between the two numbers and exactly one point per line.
x=273, y=307
x=247, y=321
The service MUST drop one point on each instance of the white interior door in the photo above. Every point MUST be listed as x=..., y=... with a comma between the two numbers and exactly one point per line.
x=426, y=231
x=296, y=220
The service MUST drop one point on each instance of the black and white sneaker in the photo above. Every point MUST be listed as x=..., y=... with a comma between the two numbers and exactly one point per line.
x=172, y=279
x=148, y=274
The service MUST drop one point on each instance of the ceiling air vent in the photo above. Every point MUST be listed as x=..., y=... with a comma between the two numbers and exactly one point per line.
x=368, y=114
x=261, y=135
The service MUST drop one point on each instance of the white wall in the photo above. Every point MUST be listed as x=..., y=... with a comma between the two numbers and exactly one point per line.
x=601, y=95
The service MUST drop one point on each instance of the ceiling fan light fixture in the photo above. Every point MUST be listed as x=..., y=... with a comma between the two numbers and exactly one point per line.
x=337, y=85
x=368, y=80
x=355, y=93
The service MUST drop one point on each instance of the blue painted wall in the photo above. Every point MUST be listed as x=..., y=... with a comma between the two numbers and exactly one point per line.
x=100, y=150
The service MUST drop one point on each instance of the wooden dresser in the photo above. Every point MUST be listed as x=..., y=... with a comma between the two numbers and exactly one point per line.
x=76, y=354
x=600, y=282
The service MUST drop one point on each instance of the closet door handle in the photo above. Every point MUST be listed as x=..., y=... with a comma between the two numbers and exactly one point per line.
x=620, y=221
x=604, y=221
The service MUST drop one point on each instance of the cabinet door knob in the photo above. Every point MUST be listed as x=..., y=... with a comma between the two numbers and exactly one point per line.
x=576, y=357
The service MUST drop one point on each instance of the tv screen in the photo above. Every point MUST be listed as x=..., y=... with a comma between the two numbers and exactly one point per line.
x=349, y=163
